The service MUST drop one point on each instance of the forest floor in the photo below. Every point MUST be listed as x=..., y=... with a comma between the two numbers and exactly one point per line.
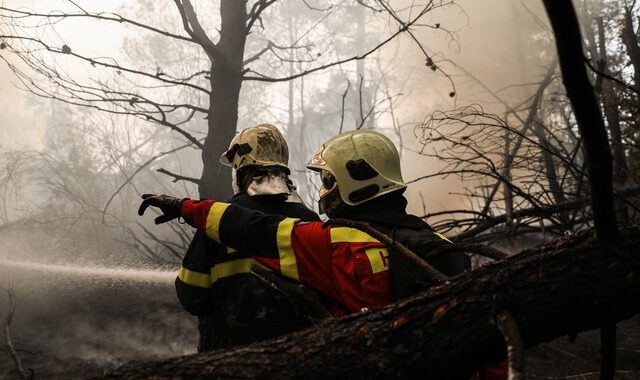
x=74, y=321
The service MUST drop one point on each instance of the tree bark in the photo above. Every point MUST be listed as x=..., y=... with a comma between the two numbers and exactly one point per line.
x=447, y=332
x=598, y=156
x=226, y=81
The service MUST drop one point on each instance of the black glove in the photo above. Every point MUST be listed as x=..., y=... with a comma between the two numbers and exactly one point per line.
x=170, y=206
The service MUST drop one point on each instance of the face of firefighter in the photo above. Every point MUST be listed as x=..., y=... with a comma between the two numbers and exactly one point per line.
x=329, y=194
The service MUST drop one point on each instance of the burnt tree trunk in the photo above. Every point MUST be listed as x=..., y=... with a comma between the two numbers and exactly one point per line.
x=598, y=156
x=226, y=81
x=580, y=92
x=562, y=288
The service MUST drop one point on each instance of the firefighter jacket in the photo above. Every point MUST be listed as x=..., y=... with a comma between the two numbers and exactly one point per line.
x=234, y=306
x=347, y=265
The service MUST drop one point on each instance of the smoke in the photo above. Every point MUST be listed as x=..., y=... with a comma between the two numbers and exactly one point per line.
x=493, y=53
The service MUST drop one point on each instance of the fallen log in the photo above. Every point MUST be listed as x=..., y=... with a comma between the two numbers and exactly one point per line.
x=563, y=288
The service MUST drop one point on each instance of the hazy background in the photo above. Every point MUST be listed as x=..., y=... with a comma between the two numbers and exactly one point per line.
x=93, y=280
x=493, y=40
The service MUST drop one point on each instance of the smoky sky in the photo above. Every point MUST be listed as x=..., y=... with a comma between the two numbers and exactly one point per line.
x=494, y=40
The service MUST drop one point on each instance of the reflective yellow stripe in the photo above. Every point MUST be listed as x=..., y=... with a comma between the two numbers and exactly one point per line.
x=201, y=280
x=441, y=236
x=230, y=268
x=288, y=263
x=379, y=259
x=231, y=250
x=213, y=220
x=350, y=235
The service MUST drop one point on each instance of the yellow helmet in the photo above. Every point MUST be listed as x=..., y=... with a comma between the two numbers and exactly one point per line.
x=262, y=145
x=365, y=165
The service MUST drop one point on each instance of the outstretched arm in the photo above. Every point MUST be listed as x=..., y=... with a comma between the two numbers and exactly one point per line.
x=298, y=251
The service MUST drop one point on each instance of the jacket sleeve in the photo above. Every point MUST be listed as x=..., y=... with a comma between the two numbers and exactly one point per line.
x=193, y=284
x=300, y=251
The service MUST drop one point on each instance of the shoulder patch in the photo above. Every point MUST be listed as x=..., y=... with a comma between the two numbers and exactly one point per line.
x=378, y=258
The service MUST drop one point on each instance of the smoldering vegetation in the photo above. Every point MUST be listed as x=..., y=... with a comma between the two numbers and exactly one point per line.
x=473, y=98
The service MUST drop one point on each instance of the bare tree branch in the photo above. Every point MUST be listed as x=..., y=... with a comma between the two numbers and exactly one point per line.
x=178, y=177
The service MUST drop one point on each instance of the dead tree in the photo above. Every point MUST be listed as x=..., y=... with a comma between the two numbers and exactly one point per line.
x=599, y=162
x=563, y=288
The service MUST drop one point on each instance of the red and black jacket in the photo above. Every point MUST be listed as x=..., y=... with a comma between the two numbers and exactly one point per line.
x=234, y=306
x=347, y=265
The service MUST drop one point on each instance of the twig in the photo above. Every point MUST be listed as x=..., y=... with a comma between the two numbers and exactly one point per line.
x=178, y=177
x=104, y=210
x=601, y=73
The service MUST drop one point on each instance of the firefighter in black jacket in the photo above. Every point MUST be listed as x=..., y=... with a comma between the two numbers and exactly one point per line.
x=235, y=304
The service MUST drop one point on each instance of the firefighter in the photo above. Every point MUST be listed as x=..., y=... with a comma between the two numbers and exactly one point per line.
x=235, y=304
x=361, y=181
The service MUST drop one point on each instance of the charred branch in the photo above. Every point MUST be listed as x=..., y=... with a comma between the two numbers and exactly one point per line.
x=424, y=267
x=482, y=222
x=178, y=177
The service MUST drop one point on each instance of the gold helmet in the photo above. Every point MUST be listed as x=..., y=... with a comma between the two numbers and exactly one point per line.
x=262, y=145
x=365, y=165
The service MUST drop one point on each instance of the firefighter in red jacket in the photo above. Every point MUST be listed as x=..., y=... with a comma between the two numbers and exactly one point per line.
x=361, y=181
